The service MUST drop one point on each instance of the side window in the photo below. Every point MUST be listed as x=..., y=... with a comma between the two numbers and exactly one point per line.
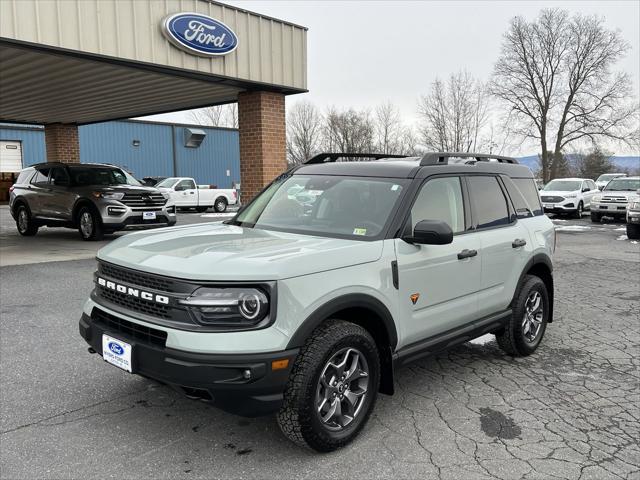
x=523, y=210
x=185, y=185
x=24, y=176
x=59, y=176
x=592, y=184
x=490, y=204
x=440, y=199
x=530, y=193
x=42, y=176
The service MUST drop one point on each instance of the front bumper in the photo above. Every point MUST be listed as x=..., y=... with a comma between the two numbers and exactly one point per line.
x=616, y=209
x=633, y=216
x=118, y=216
x=563, y=207
x=217, y=378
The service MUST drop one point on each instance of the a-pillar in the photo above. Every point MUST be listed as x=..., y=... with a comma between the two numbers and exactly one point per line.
x=261, y=122
x=61, y=140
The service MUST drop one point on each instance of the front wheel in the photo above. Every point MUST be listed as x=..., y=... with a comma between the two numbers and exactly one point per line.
x=90, y=224
x=221, y=205
x=579, y=210
x=332, y=388
x=528, y=322
x=24, y=222
x=633, y=231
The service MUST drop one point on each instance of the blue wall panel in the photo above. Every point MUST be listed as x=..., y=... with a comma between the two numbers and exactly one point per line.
x=33, y=150
x=112, y=142
x=208, y=163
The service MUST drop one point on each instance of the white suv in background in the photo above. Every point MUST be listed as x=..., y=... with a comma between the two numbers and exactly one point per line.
x=605, y=178
x=568, y=195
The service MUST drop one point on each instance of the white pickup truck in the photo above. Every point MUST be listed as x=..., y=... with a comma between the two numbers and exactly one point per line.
x=186, y=194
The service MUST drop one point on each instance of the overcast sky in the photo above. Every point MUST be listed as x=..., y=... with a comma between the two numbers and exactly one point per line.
x=361, y=53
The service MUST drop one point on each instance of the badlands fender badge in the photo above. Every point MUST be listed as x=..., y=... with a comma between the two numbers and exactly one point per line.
x=414, y=297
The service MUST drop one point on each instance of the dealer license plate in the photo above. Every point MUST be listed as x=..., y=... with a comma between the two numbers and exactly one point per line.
x=148, y=215
x=116, y=352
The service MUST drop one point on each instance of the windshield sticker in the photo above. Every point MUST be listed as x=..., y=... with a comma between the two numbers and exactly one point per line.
x=315, y=193
x=359, y=231
x=395, y=187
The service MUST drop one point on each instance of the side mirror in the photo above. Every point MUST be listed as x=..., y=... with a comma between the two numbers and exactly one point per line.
x=431, y=232
x=586, y=189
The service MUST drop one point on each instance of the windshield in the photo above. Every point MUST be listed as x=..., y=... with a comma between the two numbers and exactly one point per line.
x=346, y=207
x=622, y=185
x=607, y=176
x=85, y=176
x=167, y=183
x=563, y=185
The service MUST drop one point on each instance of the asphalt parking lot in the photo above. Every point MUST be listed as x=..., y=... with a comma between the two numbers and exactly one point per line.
x=572, y=410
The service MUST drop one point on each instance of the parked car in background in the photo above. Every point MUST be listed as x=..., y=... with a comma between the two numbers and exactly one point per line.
x=186, y=194
x=633, y=217
x=568, y=195
x=151, y=181
x=613, y=200
x=94, y=198
x=605, y=178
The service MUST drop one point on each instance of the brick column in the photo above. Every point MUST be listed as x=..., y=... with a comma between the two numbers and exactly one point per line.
x=61, y=140
x=262, y=140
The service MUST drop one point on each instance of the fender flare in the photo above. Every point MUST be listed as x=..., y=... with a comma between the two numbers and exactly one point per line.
x=77, y=205
x=537, y=259
x=353, y=300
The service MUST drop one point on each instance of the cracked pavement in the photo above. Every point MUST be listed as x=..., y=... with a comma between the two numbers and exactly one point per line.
x=570, y=411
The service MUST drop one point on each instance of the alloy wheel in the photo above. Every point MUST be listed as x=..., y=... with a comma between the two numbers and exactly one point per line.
x=86, y=224
x=342, y=389
x=533, y=316
x=23, y=220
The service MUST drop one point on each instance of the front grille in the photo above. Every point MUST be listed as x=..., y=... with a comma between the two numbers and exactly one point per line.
x=137, y=278
x=550, y=199
x=614, y=199
x=136, y=304
x=112, y=324
x=144, y=199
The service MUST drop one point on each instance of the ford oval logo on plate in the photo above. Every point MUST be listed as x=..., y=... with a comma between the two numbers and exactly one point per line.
x=199, y=34
x=115, y=348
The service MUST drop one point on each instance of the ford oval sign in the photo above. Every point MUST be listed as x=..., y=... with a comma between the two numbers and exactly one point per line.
x=115, y=348
x=199, y=34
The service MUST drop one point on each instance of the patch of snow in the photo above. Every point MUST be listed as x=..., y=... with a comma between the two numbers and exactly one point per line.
x=573, y=228
x=558, y=220
x=635, y=242
x=622, y=237
x=623, y=229
x=483, y=340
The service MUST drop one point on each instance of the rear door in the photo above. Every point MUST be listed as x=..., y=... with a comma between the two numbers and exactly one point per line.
x=40, y=193
x=186, y=193
x=438, y=291
x=505, y=243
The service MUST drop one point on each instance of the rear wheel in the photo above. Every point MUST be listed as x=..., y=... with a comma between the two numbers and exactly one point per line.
x=220, y=205
x=528, y=322
x=596, y=217
x=24, y=222
x=90, y=224
x=633, y=231
x=332, y=388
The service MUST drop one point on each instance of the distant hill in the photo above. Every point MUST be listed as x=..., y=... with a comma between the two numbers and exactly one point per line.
x=631, y=163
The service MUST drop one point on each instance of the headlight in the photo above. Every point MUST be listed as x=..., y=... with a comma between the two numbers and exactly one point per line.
x=634, y=205
x=165, y=195
x=596, y=198
x=570, y=195
x=229, y=307
x=109, y=195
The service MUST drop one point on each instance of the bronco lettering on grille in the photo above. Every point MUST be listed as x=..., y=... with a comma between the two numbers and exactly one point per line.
x=134, y=292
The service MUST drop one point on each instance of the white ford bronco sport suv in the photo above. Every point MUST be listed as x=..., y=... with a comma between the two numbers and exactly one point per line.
x=337, y=273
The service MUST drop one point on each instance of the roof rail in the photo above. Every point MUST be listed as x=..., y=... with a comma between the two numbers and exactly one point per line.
x=442, y=158
x=332, y=157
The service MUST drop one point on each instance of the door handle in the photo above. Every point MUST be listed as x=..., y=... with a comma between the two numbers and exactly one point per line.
x=519, y=242
x=466, y=253
x=192, y=193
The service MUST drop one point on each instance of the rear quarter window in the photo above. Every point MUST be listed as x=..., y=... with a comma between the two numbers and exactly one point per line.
x=529, y=191
x=24, y=176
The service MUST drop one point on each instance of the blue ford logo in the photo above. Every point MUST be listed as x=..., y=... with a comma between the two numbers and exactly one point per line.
x=115, y=348
x=199, y=34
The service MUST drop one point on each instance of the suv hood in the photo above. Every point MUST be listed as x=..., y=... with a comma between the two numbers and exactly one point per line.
x=219, y=252
x=558, y=193
x=618, y=193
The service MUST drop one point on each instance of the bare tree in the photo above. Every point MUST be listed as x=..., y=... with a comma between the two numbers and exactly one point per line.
x=453, y=114
x=555, y=76
x=217, y=115
x=304, y=132
x=388, y=128
x=348, y=131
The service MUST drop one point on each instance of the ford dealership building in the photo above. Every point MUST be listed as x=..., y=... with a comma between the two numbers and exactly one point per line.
x=70, y=63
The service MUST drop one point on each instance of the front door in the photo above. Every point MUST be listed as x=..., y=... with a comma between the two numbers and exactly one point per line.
x=61, y=201
x=186, y=194
x=438, y=284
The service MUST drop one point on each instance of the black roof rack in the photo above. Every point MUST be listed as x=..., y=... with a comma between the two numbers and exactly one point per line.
x=333, y=157
x=442, y=158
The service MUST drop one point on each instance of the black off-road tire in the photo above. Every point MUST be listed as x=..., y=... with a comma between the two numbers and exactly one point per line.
x=97, y=230
x=24, y=222
x=512, y=340
x=220, y=205
x=633, y=231
x=297, y=418
x=596, y=217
